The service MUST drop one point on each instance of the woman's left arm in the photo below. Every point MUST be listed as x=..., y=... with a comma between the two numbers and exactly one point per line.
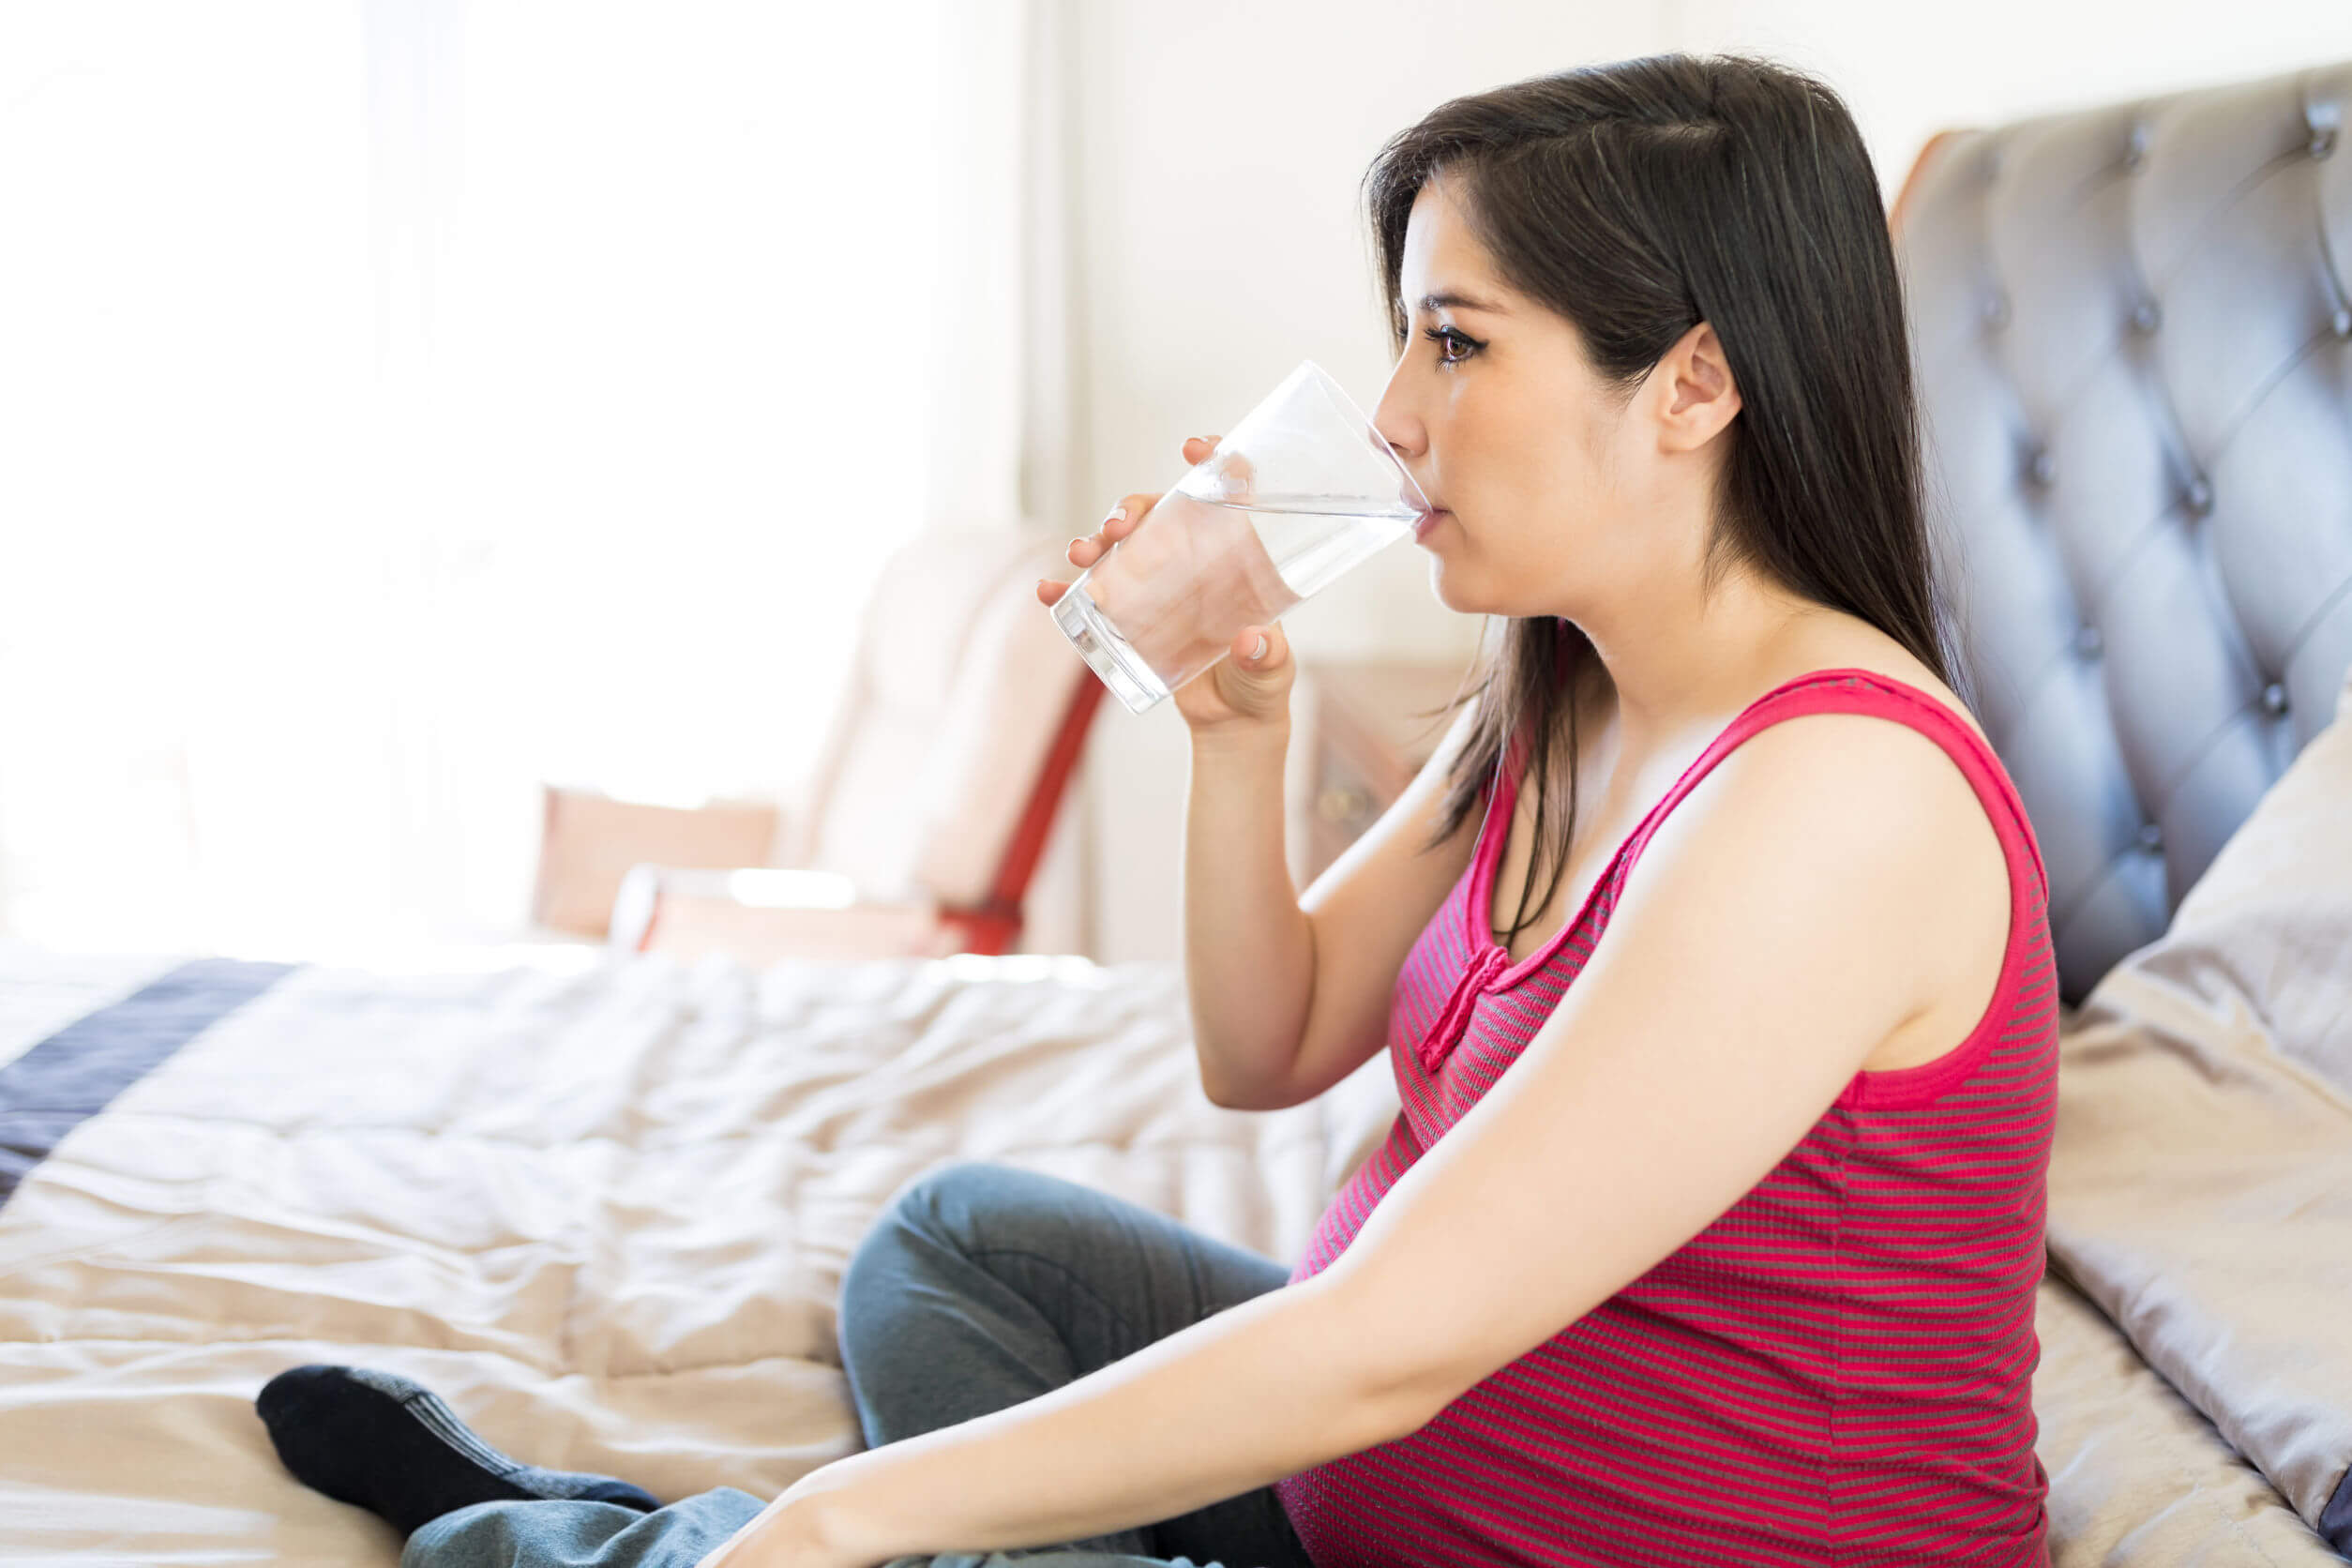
x=1258, y=1391
x=1770, y=935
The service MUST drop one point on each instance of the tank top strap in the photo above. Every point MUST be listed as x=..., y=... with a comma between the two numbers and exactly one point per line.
x=1854, y=690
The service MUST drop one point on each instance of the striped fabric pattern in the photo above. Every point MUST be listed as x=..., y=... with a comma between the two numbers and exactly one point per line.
x=1836, y=1371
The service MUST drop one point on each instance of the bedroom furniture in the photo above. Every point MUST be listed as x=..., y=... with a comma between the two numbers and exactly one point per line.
x=1367, y=727
x=943, y=768
x=2132, y=327
x=602, y=1199
x=589, y=839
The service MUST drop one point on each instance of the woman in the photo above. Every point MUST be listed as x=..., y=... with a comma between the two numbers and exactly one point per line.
x=1725, y=1253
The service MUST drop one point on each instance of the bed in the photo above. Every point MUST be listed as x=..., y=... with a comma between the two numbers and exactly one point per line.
x=604, y=1207
x=603, y=1203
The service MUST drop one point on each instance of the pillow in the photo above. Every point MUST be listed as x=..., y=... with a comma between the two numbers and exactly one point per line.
x=2200, y=1185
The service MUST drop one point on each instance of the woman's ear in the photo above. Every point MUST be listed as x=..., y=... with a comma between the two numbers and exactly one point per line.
x=1699, y=395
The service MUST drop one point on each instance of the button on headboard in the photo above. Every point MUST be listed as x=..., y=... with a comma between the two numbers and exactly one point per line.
x=2132, y=327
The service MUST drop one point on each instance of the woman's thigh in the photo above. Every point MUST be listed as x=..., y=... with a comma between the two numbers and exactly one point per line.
x=985, y=1284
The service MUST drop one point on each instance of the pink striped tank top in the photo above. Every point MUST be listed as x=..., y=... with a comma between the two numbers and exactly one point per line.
x=1836, y=1371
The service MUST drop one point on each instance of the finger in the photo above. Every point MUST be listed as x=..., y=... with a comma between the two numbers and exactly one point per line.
x=1199, y=446
x=1259, y=647
x=1050, y=589
x=1116, y=527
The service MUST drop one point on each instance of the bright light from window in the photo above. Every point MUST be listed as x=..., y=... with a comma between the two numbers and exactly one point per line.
x=406, y=405
x=793, y=890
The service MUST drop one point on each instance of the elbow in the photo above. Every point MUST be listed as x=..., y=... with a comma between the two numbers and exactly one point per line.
x=1395, y=1408
x=1393, y=1391
x=1229, y=1092
x=1230, y=1098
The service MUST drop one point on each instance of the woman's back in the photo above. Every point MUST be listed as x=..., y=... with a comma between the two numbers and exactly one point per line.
x=1836, y=1370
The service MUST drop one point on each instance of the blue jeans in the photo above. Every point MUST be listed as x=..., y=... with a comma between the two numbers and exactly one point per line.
x=981, y=1287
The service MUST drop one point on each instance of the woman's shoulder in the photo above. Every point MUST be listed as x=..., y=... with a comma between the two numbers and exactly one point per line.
x=1849, y=643
x=1940, y=757
x=1874, y=678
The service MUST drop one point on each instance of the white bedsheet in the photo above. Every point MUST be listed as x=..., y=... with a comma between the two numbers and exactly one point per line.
x=605, y=1214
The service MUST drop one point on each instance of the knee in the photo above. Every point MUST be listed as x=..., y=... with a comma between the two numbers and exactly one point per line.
x=936, y=1210
x=966, y=1202
x=949, y=1190
x=924, y=1226
x=968, y=1207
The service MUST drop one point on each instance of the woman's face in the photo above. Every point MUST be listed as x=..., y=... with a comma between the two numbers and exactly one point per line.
x=1506, y=427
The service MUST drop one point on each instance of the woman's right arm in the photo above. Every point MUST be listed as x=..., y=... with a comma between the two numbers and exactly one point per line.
x=1249, y=948
x=1290, y=994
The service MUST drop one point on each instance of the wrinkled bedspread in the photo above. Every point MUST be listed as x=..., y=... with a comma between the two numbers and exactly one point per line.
x=604, y=1207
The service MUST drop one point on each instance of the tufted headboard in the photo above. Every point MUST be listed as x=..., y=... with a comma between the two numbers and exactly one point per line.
x=2132, y=331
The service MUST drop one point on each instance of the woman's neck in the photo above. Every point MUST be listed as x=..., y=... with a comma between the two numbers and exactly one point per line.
x=1665, y=670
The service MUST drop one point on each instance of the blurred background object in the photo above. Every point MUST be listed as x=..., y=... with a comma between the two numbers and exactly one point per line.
x=590, y=841
x=409, y=408
x=932, y=802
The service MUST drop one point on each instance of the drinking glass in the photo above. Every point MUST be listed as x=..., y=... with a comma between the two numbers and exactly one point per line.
x=1299, y=491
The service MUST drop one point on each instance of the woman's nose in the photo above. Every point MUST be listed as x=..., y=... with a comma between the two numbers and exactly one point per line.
x=1394, y=420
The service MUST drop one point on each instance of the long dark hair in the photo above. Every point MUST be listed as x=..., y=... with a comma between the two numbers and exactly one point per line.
x=1637, y=200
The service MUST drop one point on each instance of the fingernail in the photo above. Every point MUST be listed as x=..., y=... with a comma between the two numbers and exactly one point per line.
x=1259, y=652
x=1118, y=514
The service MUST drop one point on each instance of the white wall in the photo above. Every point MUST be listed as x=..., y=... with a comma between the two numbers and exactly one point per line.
x=1222, y=146
x=1224, y=143
x=1909, y=71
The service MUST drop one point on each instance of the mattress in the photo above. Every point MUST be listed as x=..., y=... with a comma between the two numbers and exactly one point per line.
x=603, y=1205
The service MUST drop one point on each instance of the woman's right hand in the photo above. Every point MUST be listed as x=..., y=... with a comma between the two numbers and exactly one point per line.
x=1247, y=691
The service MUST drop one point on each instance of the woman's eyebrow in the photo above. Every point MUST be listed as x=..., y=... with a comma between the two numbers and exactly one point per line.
x=1446, y=297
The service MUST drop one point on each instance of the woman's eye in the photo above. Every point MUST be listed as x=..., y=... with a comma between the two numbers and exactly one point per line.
x=1442, y=335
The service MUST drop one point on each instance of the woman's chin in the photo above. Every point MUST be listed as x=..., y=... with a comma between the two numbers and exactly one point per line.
x=1446, y=588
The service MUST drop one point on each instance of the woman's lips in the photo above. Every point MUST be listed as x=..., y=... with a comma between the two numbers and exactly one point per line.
x=1427, y=520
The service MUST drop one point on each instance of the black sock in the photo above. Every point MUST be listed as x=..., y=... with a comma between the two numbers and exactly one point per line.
x=387, y=1444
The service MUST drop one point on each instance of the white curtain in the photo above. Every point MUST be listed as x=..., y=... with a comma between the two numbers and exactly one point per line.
x=1011, y=427
x=406, y=402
